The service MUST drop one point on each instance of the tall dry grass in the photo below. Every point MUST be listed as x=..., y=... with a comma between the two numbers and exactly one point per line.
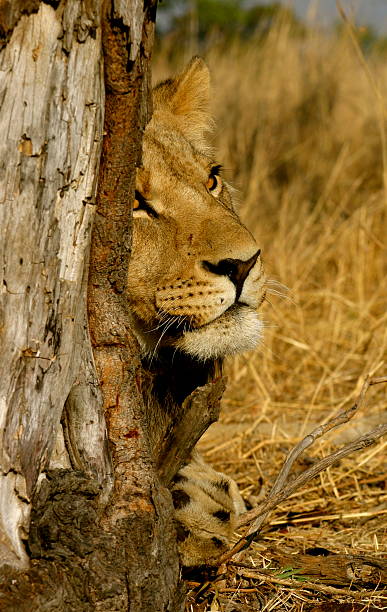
x=303, y=134
x=301, y=131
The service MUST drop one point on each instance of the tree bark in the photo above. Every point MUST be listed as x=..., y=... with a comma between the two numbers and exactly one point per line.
x=84, y=522
x=51, y=131
x=140, y=511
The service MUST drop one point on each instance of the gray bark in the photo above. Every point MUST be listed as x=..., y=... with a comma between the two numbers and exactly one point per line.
x=51, y=120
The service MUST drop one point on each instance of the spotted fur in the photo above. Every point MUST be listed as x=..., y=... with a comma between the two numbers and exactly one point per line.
x=209, y=513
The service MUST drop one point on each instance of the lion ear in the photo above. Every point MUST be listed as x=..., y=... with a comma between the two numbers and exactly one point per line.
x=186, y=97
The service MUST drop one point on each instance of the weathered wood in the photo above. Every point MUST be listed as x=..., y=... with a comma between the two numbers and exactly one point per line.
x=85, y=443
x=11, y=12
x=82, y=558
x=51, y=130
x=195, y=415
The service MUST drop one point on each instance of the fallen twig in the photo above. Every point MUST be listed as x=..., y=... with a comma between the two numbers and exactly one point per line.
x=274, y=499
x=303, y=584
x=320, y=516
x=335, y=569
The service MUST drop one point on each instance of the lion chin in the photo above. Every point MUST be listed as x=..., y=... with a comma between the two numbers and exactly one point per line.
x=238, y=329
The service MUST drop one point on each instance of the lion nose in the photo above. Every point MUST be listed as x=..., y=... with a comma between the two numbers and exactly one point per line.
x=237, y=270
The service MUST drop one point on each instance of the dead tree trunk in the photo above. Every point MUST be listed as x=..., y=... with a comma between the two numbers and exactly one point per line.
x=84, y=522
x=50, y=147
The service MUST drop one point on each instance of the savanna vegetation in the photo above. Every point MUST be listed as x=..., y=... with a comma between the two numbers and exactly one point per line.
x=301, y=132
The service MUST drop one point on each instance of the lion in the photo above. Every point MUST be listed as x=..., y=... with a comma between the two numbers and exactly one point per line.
x=195, y=280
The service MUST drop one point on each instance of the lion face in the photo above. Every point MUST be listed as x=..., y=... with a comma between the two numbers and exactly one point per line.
x=195, y=278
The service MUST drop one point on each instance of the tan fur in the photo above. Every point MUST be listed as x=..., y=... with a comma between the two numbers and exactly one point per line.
x=195, y=281
x=183, y=102
x=174, y=298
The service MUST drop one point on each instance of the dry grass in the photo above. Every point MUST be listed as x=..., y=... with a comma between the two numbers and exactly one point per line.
x=303, y=128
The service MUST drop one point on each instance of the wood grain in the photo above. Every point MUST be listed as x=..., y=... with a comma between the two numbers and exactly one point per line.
x=51, y=114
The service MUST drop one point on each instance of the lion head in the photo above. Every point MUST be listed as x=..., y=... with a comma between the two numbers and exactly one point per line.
x=195, y=277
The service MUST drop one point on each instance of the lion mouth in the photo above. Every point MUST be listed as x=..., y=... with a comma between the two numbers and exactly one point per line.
x=178, y=325
x=232, y=310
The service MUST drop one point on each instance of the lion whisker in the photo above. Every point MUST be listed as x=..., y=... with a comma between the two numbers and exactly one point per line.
x=159, y=326
x=272, y=281
x=274, y=287
x=167, y=326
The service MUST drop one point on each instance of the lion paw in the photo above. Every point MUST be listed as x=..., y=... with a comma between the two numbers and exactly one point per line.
x=207, y=504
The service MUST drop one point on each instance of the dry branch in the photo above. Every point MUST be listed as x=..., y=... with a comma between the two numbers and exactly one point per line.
x=246, y=571
x=301, y=584
x=198, y=411
x=336, y=569
x=282, y=489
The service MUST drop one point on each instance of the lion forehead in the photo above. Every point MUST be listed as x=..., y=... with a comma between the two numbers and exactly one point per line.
x=170, y=162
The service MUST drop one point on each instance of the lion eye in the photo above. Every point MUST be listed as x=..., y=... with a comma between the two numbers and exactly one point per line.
x=140, y=203
x=214, y=182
